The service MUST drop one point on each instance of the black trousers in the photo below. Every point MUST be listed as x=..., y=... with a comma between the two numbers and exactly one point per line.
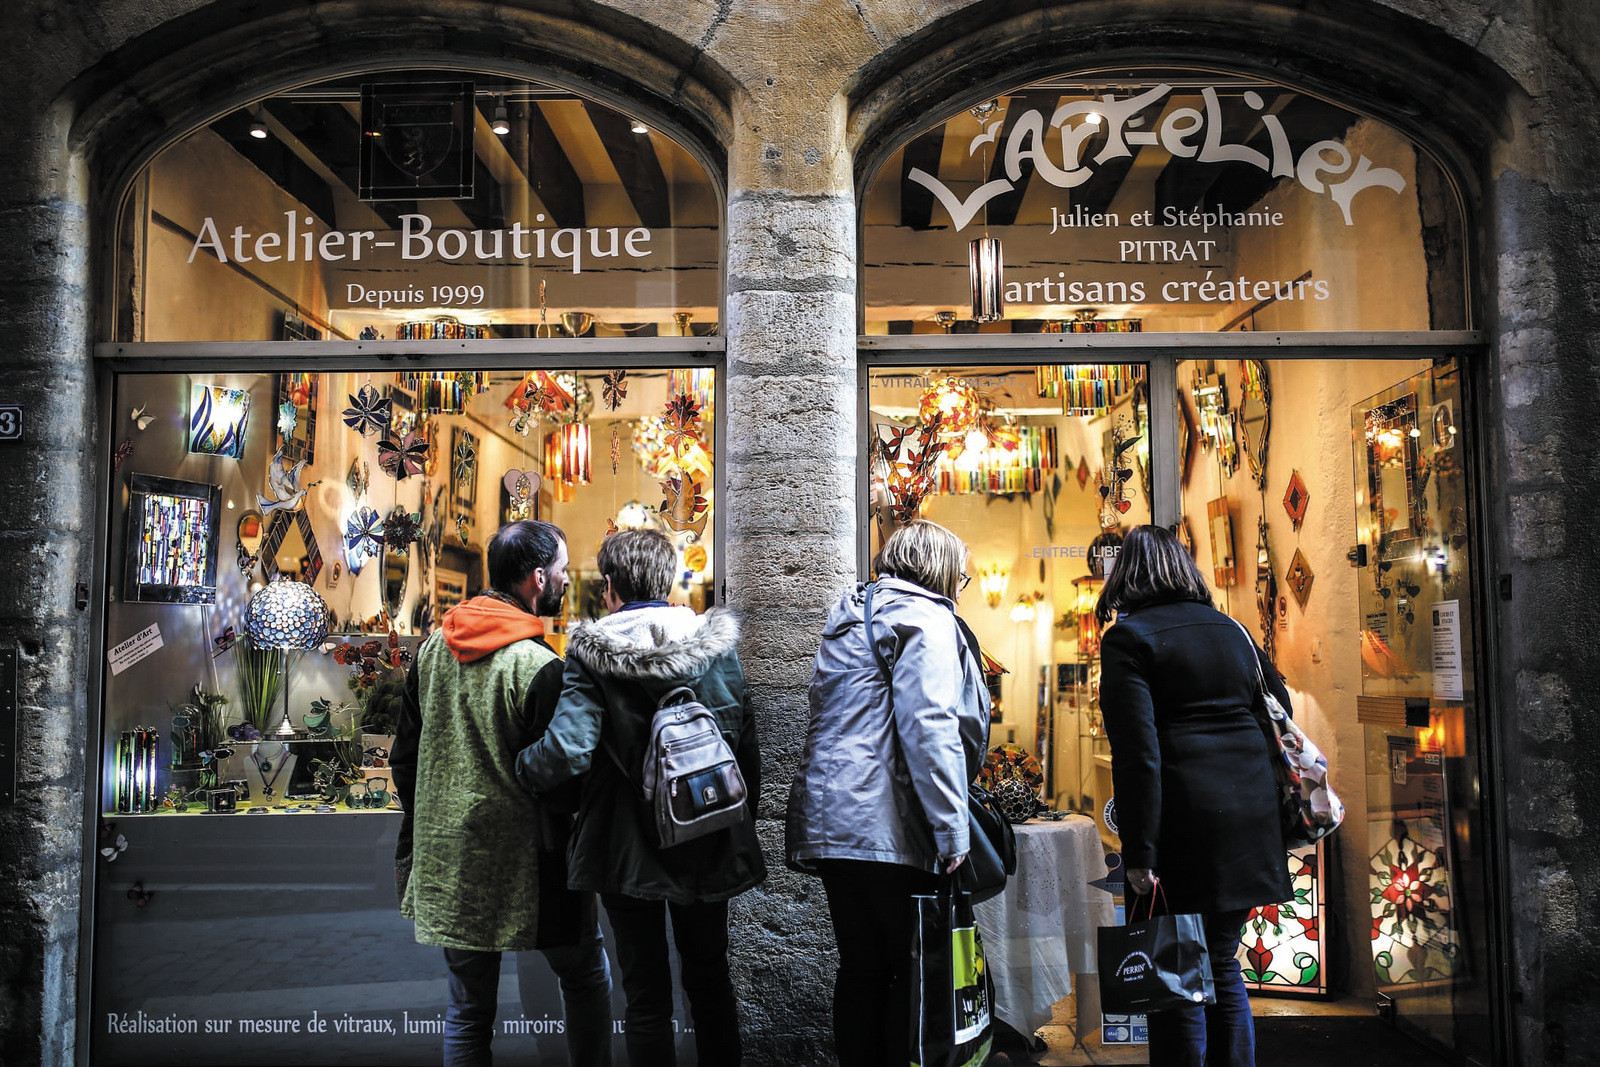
x=870, y=904
x=700, y=931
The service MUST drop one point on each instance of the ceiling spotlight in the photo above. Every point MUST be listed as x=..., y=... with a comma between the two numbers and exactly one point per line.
x=640, y=127
x=501, y=124
x=1092, y=118
x=258, y=129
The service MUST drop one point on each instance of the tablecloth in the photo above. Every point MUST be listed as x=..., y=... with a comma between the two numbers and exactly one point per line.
x=1041, y=930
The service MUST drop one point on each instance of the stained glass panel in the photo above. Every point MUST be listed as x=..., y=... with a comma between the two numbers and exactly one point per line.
x=1413, y=939
x=1283, y=945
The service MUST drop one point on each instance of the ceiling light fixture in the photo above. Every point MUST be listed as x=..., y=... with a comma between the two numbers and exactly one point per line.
x=640, y=127
x=501, y=124
x=258, y=129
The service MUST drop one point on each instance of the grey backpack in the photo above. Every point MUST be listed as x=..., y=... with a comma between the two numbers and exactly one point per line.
x=691, y=780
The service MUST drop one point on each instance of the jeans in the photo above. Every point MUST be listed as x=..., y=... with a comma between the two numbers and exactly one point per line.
x=639, y=934
x=1220, y=1034
x=870, y=904
x=475, y=993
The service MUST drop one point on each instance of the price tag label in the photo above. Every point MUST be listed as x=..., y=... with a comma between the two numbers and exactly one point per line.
x=10, y=422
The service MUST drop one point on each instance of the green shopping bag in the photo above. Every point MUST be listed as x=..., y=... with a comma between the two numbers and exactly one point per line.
x=951, y=992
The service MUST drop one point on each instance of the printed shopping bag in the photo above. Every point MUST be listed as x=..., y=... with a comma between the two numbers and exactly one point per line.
x=1155, y=964
x=951, y=994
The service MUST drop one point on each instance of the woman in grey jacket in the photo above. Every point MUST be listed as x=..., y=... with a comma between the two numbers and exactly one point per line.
x=879, y=802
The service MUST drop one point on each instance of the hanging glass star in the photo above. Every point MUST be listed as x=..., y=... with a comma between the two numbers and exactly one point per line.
x=614, y=388
x=363, y=537
x=400, y=461
x=368, y=412
x=288, y=419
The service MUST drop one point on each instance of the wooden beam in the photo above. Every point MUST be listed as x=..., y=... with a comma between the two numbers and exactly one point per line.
x=916, y=200
x=534, y=147
x=634, y=156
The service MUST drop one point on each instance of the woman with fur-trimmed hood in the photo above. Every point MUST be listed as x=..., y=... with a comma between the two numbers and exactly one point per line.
x=617, y=670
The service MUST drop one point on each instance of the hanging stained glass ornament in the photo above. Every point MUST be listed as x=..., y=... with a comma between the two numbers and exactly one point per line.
x=462, y=529
x=124, y=450
x=401, y=528
x=288, y=419
x=404, y=459
x=682, y=423
x=363, y=537
x=520, y=486
x=465, y=459
x=613, y=388
x=575, y=442
x=359, y=478
x=283, y=482
x=368, y=413
x=616, y=448
x=912, y=470
x=956, y=404
x=140, y=419
x=685, y=507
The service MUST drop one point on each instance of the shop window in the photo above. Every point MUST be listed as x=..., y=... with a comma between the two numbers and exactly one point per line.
x=407, y=206
x=1161, y=200
x=377, y=493
x=1039, y=469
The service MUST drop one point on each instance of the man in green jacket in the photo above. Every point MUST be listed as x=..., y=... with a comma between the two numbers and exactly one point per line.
x=481, y=864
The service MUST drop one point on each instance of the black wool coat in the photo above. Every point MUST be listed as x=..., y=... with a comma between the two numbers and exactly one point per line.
x=1195, y=796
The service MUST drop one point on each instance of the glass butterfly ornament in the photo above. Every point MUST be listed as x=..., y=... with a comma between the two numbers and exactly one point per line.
x=368, y=412
x=118, y=846
x=407, y=457
x=140, y=419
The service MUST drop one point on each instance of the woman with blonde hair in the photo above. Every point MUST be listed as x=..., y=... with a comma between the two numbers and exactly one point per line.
x=878, y=806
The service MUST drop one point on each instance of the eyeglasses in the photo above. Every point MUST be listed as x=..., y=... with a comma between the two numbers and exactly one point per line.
x=965, y=578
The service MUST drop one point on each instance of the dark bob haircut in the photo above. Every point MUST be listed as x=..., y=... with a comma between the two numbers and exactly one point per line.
x=520, y=548
x=1151, y=568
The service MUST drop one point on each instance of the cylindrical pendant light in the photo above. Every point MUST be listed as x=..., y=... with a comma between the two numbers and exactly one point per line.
x=575, y=440
x=987, y=266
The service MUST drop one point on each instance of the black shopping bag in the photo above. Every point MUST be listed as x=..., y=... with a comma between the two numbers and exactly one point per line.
x=1155, y=964
x=951, y=993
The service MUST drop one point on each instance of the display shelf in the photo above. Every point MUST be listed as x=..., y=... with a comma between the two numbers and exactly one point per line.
x=244, y=810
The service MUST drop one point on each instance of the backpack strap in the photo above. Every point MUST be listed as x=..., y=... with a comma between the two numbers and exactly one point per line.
x=680, y=695
x=872, y=640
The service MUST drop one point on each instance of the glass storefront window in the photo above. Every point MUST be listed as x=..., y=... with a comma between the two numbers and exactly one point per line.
x=1161, y=200
x=409, y=206
x=1038, y=469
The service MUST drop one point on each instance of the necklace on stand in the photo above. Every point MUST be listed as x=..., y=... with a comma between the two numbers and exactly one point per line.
x=264, y=765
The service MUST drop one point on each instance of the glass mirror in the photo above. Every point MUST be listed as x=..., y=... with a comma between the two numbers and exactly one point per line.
x=1266, y=592
x=1255, y=417
x=396, y=569
x=290, y=548
x=1222, y=565
x=1394, y=473
x=251, y=531
x=1217, y=420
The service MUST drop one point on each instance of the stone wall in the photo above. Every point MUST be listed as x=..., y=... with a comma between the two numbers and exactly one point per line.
x=797, y=99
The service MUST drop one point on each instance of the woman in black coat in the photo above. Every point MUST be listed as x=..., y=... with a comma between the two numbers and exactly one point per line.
x=1196, y=798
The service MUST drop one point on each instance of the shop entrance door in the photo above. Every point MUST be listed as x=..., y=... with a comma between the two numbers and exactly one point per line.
x=1419, y=709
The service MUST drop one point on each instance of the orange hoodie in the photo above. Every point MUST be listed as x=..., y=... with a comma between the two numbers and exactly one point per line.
x=483, y=625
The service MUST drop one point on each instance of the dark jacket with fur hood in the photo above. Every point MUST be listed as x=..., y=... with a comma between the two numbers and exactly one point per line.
x=617, y=670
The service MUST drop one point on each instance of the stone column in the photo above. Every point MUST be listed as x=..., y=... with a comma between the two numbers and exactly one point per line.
x=46, y=483
x=790, y=464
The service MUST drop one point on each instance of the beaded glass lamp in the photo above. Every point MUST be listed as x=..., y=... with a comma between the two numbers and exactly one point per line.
x=286, y=615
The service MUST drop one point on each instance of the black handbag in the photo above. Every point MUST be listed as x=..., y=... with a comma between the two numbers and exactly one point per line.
x=991, y=843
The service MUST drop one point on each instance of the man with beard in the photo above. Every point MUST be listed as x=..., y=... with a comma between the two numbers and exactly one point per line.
x=481, y=865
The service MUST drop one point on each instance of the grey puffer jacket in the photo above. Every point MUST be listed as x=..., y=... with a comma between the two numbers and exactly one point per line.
x=881, y=782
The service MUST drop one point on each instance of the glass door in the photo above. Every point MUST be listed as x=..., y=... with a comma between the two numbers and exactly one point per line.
x=1419, y=709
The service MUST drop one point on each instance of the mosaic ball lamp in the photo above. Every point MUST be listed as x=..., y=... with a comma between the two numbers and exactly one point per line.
x=286, y=614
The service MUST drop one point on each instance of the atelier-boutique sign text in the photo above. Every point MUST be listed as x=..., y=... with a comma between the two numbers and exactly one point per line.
x=419, y=241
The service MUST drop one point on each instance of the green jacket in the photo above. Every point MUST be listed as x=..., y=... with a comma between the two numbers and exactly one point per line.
x=617, y=669
x=480, y=863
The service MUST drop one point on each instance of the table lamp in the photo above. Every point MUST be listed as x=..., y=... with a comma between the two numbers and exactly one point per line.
x=286, y=615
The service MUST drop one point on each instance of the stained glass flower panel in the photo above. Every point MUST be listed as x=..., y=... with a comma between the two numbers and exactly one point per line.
x=1283, y=947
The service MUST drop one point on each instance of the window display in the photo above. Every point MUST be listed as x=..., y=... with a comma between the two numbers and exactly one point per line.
x=1037, y=469
x=281, y=668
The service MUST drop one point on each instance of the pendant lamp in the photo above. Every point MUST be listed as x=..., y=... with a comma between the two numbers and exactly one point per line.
x=986, y=265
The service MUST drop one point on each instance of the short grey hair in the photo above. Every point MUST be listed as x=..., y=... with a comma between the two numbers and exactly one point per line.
x=640, y=564
x=926, y=554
